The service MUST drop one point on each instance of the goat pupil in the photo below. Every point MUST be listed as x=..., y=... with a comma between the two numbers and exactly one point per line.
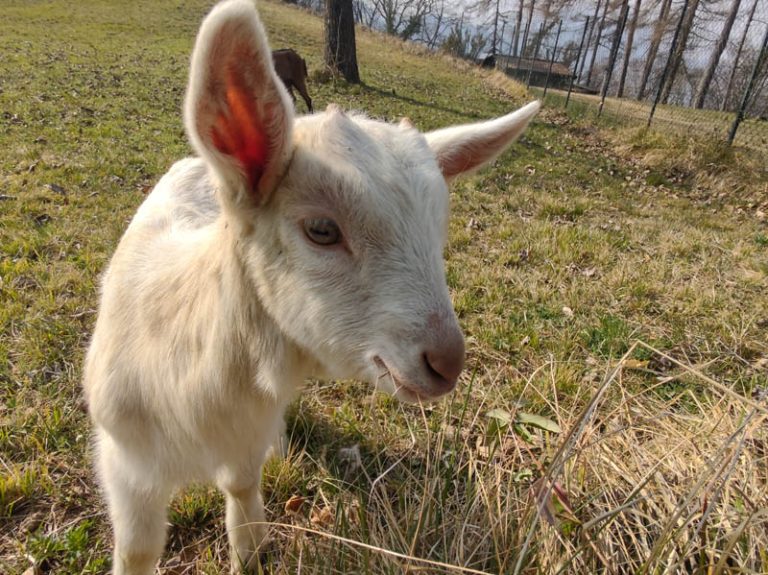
x=322, y=231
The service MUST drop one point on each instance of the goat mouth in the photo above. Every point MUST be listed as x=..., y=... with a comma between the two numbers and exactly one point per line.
x=403, y=389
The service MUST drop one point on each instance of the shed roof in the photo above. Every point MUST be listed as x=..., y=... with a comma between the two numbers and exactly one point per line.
x=513, y=63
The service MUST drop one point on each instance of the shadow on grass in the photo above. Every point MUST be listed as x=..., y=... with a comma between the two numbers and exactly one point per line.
x=393, y=95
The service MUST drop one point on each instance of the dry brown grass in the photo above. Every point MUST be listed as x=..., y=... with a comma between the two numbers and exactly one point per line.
x=655, y=486
x=681, y=120
x=634, y=484
x=572, y=247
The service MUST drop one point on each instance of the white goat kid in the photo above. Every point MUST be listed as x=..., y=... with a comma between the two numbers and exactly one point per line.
x=290, y=248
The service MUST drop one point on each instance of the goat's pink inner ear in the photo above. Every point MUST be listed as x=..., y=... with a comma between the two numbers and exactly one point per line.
x=238, y=130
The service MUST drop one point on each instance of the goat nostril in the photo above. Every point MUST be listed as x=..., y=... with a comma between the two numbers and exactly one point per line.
x=444, y=368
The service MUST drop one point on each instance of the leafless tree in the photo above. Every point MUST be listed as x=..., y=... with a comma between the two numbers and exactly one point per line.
x=737, y=58
x=340, y=48
x=686, y=25
x=757, y=105
x=362, y=12
x=531, y=8
x=593, y=23
x=615, y=44
x=714, y=58
x=463, y=43
x=628, y=48
x=484, y=8
x=403, y=18
x=494, y=42
x=600, y=27
x=658, y=34
x=435, y=24
x=518, y=26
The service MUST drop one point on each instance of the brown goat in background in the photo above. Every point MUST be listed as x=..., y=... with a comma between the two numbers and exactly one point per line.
x=292, y=70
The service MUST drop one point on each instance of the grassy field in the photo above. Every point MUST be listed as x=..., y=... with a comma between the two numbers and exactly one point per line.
x=752, y=132
x=613, y=288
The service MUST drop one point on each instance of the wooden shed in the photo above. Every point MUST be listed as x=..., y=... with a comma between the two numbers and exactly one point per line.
x=519, y=68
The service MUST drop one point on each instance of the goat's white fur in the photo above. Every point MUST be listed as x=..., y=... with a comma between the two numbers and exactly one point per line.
x=216, y=306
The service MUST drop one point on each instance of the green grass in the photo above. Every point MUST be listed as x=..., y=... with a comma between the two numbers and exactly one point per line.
x=570, y=249
x=707, y=124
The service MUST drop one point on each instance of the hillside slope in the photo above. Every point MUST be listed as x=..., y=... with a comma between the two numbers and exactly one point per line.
x=617, y=329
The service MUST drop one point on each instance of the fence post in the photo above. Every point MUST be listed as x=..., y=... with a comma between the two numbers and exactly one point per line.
x=663, y=79
x=748, y=91
x=535, y=54
x=576, y=65
x=614, y=53
x=552, y=60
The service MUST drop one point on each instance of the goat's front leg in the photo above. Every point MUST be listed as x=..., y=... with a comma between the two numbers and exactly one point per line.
x=137, y=504
x=245, y=517
x=279, y=447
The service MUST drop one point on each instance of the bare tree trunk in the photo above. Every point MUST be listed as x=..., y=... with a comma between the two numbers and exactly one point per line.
x=432, y=39
x=340, y=49
x=495, y=30
x=658, y=34
x=614, y=52
x=358, y=9
x=628, y=49
x=668, y=65
x=714, y=58
x=518, y=25
x=589, y=37
x=576, y=65
x=732, y=77
x=528, y=26
x=686, y=25
x=597, y=42
x=759, y=61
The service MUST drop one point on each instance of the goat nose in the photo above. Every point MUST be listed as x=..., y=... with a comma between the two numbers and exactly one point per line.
x=445, y=362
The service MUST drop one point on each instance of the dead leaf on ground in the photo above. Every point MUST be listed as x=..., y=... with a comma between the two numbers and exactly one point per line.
x=294, y=503
x=321, y=517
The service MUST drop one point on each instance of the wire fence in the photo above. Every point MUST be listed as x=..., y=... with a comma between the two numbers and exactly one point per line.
x=682, y=66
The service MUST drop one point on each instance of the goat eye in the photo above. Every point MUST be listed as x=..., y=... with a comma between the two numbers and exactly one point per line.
x=322, y=231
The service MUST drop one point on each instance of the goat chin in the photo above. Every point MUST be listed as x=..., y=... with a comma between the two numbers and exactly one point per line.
x=290, y=247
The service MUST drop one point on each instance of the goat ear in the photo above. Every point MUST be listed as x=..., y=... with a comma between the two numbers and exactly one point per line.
x=237, y=114
x=461, y=149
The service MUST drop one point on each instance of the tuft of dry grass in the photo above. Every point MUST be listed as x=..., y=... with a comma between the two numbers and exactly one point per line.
x=685, y=147
x=713, y=172
x=702, y=124
x=635, y=483
x=646, y=485
x=612, y=415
